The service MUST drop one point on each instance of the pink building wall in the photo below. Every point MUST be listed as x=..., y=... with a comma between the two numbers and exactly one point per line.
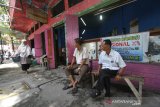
x=72, y=32
x=50, y=47
x=38, y=46
x=150, y=72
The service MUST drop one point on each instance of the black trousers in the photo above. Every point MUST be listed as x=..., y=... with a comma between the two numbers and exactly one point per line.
x=104, y=80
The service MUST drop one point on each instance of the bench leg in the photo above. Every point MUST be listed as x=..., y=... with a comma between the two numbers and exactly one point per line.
x=43, y=66
x=134, y=90
x=93, y=80
x=140, y=90
x=48, y=66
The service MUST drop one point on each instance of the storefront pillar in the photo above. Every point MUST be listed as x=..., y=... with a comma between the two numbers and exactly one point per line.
x=71, y=32
x=49, y=41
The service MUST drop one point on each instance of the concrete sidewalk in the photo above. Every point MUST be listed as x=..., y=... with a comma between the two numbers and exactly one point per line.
x=45, y=90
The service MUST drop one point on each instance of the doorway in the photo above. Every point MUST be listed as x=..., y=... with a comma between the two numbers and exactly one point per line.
x=43, y=43
x=59, y=45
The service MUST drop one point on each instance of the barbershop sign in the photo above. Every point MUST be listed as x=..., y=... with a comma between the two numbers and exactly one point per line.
x=132, y=47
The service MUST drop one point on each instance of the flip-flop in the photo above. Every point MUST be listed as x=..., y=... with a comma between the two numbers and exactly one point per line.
x=67, y=87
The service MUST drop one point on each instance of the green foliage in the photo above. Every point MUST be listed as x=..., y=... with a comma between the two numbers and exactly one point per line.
x=2, y=11
x=4, y=26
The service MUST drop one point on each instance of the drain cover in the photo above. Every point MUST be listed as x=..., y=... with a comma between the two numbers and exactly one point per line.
x=13, y=89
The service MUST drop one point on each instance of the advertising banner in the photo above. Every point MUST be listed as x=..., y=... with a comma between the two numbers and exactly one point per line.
x=132, y=47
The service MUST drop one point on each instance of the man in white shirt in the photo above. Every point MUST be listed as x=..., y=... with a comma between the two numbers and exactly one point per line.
x=111, y=65
x=80, y=57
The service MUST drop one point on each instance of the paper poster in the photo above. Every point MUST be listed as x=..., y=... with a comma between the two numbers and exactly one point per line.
x=91, y=49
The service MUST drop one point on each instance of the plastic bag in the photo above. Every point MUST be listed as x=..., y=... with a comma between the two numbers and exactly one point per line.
x=16, y=58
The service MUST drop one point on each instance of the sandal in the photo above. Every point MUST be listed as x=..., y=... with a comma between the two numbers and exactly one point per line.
x=67, y=87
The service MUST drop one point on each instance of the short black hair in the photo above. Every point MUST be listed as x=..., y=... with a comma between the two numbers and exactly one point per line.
x=79, y=41
x=108, y=42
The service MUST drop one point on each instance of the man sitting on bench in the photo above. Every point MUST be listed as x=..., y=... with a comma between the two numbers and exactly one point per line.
x=80, y=56
x=111, y=65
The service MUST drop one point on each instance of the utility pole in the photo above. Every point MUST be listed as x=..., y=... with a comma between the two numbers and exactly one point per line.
x=1, y=55
x=12, y=44
x=1, y=43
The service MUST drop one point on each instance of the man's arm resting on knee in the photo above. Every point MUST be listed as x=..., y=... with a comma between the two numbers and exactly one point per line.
x=82, y=63
x=120, y=73
x=73, y=61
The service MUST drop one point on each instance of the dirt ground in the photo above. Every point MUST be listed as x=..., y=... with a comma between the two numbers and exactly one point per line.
x=42, y=88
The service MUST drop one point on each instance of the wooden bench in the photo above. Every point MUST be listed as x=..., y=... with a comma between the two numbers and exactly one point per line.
x=128, y=79
x=137, y=93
